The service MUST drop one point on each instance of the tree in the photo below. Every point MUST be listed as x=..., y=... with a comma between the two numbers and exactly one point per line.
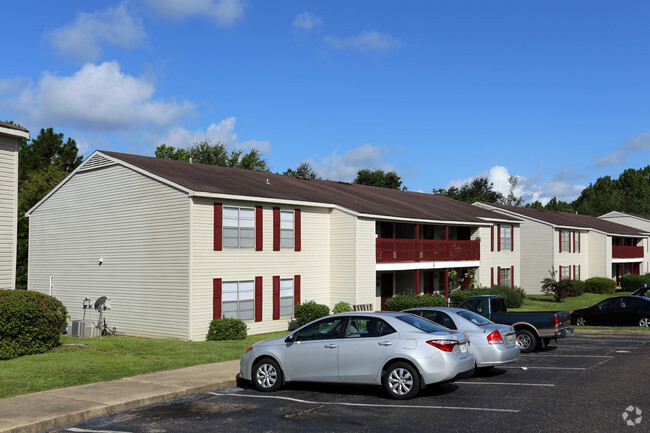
x=512, y=199
x=215, y=153
x=47, y=149
x=480, y=189
x=559, y=206
x=629, y=193
x=42, y=164
x=304, y=169
x=379, y=178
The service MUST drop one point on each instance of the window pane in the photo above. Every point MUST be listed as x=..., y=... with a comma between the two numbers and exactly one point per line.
x=246, y=238
x=246, y=218
x=230, y=217
x=229, y=291
x=246, y=290
x=286, y=239
x=286, y=220
x=286, y=287
x=229, y=310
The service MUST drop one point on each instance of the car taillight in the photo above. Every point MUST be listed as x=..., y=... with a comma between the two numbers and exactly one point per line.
x=556, y=321
x=495, y=338
x=444, y=345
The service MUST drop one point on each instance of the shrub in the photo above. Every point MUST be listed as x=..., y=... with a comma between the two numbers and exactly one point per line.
x=309, y=311
x=550, y=286
x=342, y=307
x=600, y=285
x=512, y=296
x=402, y=302
x=575, y=288
x=630, y=283
x=30, y=323
x=226, y=329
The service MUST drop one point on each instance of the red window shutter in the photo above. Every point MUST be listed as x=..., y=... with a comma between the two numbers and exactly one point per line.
x=258, y=299
x=216, y=298
x=218, y=226
x=498, y=237
x=296, y=289
x=560, y=278
x=296, y=230
x=276, y=229
x=492, y=238
x=579, y=243
x=491, y=276
x=512, y=277
x=259, y=233
x=560, y=232
x=499, y=276
x=512, y=238
x=276, y=297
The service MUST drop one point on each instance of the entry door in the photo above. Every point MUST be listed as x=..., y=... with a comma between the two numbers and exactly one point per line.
x=386, y=288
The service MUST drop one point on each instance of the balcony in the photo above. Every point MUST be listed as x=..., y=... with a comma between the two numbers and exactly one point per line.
x=425, y=250
x=619, y=252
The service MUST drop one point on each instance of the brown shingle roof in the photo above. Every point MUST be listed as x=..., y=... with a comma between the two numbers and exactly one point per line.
x=565, y=219
x=11, y=126
x=363, y=199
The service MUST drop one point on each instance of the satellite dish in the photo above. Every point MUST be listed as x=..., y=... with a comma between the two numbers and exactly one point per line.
x=100, y=302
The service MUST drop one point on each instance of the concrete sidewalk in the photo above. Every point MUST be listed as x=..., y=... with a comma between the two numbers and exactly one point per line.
x=41, y=411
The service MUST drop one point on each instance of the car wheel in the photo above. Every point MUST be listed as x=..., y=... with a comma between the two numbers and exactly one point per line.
x=267, y=375
x=526, y=340
x=581, y=321
x=401, y=381
x=645, y=322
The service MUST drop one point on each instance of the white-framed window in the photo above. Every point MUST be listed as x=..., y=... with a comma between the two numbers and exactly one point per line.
x=565, y=241
x=286, y=297
x=505, y=277
x=238, y=227
x=287, y=227
x=505, y=238
x=238, y=299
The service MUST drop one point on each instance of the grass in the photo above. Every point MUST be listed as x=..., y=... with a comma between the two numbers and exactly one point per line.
x=80, y=361
x=548, y=303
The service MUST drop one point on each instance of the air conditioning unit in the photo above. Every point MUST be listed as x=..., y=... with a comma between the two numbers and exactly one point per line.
x=84, y=328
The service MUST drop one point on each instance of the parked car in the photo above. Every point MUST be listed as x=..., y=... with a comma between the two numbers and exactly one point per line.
x=492, y=344
x=534, y=328
x=400, y=351
x=643, y=291
x=617, y=311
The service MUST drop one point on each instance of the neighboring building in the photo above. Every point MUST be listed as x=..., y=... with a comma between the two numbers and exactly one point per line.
x=575, y=246
x=175, y=244
x=639, y=222
x=10, y=137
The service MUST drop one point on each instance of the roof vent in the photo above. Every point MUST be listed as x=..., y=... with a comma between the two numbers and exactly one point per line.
x=267, y=182
x=96, y=161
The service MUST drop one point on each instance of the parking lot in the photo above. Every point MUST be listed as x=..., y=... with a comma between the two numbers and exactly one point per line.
x=583, y=383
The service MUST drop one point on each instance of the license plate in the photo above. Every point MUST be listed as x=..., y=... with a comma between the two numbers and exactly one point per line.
x=463, y=348
x=511, y=338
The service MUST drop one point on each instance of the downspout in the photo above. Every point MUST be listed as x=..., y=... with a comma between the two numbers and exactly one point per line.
x=51, y=283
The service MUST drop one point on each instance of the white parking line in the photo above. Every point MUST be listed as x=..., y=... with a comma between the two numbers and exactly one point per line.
x=597, y=347
x=545, y=368
x=81, y=430
x=546, y=355
x=397, y=406
x=506, y=384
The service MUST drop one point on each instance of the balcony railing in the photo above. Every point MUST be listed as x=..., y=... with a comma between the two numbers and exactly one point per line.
x=619, y=252
x=418, y=250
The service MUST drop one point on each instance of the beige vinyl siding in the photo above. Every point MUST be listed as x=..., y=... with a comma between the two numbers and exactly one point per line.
x=233, y=264
x=139, y=227
x=8, y=210
x=599, y=249
x=366, y=264
x=537, y=254
x=491, y=259
x=343, y=257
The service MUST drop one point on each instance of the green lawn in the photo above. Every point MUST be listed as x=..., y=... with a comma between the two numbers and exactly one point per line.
x=548, y=303
x=87, y=360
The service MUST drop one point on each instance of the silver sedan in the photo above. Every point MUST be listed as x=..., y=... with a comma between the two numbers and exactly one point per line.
x=492, y=344
x=400, y=351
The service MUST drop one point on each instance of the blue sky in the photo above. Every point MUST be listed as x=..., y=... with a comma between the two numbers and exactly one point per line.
x=554, y=92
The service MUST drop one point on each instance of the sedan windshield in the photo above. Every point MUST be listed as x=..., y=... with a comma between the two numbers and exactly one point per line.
x=421, y=323
x=474, y=318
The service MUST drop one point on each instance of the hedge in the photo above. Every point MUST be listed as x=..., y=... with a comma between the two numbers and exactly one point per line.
x=342, y=307
x=514, y=297
x=630, y=283
x=600, y=285
x=309, y=311
x=30, y=323
x=227, y=329
x=402, y=302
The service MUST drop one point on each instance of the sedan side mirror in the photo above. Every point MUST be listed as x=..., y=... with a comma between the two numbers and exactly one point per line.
x=291, y=338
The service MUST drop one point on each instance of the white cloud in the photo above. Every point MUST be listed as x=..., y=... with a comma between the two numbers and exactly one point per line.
x=345, y=167
x=307, y=22
x=365, y=41
x=98, y=97
x=223, y=12
x=638, y=143
x=223, y=131
x=83, y=39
